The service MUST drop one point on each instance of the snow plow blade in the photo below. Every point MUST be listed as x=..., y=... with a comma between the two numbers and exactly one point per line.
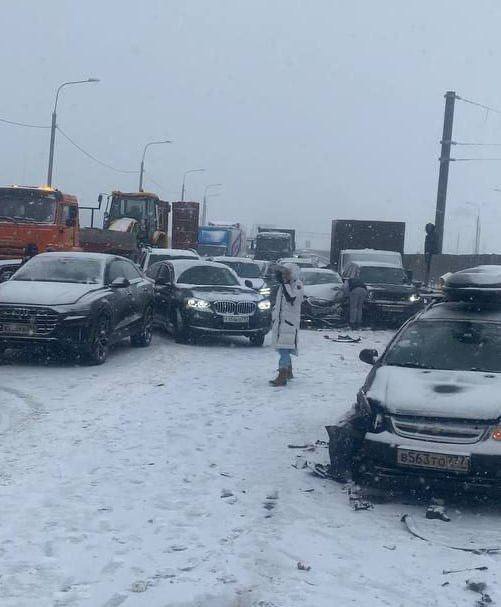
x=96, y=240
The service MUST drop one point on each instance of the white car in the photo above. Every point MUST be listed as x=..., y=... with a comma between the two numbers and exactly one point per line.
x=151, y=256
x=248, y=271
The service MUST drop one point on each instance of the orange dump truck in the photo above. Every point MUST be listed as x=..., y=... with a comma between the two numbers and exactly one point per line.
x=45, y=219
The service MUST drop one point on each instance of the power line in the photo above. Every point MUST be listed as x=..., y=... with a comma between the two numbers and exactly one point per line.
x=477, y=104
x=475, y=143
x=25, y=124
x=92, y=157
x=471, y=159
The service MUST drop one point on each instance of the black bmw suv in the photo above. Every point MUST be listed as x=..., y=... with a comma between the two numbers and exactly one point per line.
x=201, y=297
x=77, y=301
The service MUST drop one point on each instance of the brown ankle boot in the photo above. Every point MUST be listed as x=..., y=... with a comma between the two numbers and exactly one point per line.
x=290, y=375
x=281, y=379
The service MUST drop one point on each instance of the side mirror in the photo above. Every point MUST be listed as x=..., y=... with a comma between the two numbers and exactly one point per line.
x=162, y=281
x=100, y=199
x=248, y=284
x=120, y=283
x=368, y=356
x=417, y=283
x=409, y=274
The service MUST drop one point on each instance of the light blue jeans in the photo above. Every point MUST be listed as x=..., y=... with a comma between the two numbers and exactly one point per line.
x=285, y=358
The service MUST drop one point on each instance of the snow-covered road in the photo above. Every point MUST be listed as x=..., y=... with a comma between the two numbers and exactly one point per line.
x=112, y=482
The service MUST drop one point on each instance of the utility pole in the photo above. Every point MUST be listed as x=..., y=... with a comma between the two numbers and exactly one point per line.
x=443, y=175
x=477, y=235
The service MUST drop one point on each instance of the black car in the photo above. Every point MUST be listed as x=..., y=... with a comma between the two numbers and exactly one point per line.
x=201, y=297
x=391, y=295
x=79, y=301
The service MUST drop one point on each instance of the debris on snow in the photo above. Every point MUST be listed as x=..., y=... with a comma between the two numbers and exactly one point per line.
x=483, y=568
x=139, y=586
x=303, y=566
x=226, y=493
x=437, y=512
x=476, y=586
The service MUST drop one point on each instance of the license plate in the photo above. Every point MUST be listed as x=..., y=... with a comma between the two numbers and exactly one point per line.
x=437, y=461
x=14, y=328
x=236, y=318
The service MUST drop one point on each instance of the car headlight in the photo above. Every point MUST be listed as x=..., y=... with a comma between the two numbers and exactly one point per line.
x=264, y=305
x=197, y=304
x=265, y=291
x=414, y=298
x=371, y=296
x=496, y=433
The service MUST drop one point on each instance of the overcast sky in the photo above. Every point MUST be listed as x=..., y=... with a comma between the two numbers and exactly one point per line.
x=305, y=110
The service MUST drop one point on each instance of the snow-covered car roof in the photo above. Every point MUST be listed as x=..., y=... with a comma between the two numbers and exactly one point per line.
x=223, y=258
x=80, y=255
x=318, y=271
x=375, y=264
x=299, y=261
x=185, y=252
x=378, y=251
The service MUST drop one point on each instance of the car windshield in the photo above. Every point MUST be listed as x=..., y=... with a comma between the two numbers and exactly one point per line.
x=383, y=275
x=243, y=269
x=449, y=345
x=29, y=207
x=321, y=278
x=167, y=257
x=274, y=243
x=208, y=276
x=61, y=269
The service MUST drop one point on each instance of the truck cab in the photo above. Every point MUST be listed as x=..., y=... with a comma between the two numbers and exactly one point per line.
x=143, y=212
x=41, y=218
x=271, y=246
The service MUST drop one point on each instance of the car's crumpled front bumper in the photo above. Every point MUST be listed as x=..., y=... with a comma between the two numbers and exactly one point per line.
x=377, y=460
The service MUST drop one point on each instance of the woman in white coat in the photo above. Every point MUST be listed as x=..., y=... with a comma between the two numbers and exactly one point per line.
x=286, y=320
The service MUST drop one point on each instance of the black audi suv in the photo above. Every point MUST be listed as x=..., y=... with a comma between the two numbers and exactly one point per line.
x=82, y=302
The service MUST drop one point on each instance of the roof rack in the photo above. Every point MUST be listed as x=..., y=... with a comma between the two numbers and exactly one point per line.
x=481, y=284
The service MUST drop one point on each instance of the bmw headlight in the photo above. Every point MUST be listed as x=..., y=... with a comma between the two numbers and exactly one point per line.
x=264, y=305
x=265, y=291
x=414, y=298
x=197, y=304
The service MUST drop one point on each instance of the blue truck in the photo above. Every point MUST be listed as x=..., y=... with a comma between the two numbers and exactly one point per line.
x=217, y=239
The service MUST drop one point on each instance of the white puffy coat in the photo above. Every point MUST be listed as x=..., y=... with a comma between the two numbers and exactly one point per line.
x=287, y=316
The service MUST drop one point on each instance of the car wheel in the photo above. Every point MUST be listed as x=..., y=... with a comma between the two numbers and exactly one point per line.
x=257, y=340
x=181, y=331
x=143, y=338
x=97, y=350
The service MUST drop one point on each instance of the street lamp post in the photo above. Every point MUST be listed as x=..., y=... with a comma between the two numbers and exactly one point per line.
x=206, y=195
x=141, y=171
x=183, y=189
x=54, y=124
